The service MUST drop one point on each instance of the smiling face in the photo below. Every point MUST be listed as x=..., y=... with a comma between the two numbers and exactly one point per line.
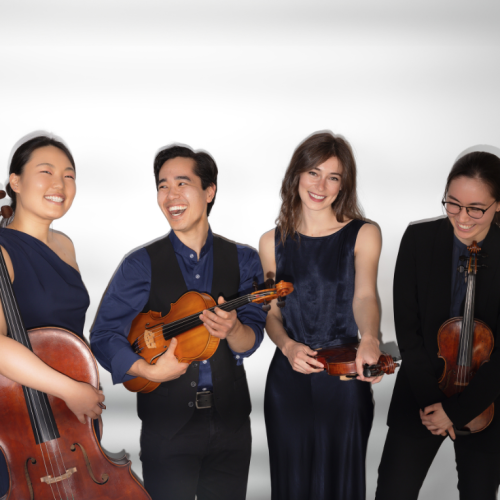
x=181, y=197
x=320, y=186
x=46, y=187
x=469, y=192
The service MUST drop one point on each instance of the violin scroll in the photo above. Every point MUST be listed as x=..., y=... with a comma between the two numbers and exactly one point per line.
x=282, y=289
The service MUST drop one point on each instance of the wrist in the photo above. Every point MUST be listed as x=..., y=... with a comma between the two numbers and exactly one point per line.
x=286, y=346
x=371, y=338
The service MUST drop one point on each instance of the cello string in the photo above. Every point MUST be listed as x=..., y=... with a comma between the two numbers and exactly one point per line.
x=10, y=308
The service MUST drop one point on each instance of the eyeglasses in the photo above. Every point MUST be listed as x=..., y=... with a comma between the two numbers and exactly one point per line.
x=474, y=212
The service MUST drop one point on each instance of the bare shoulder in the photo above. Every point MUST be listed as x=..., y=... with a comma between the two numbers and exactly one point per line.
x=267, y=240
x=369, y=239
x=62, y=245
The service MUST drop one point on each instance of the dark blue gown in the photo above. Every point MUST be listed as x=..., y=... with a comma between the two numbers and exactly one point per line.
x=49, y=292
x=317, y=425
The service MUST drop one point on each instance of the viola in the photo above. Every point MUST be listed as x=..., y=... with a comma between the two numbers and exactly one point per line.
x=465, y=343
x=151, y=333
x=341, y=361
x=49, y=453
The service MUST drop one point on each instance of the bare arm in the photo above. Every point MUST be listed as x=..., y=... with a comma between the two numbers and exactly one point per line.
x=365, y=305
x=22, y=366
x=300, y=356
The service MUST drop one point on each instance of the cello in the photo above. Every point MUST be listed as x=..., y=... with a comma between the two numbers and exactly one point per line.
x=151, y=333
x=465, y=343
x=50, y=455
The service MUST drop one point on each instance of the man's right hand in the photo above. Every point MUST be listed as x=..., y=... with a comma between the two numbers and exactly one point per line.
x=166, y=368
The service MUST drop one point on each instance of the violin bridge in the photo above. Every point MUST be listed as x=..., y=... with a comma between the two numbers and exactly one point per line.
x=149, y=338
x=51, y=480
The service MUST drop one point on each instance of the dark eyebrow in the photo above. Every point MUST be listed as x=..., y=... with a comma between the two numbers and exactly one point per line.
x=472, y=204
x=183, y=178
x=50, y=165
x=331, y=173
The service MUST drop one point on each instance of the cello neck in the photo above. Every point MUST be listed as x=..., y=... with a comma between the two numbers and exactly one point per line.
x=42, y=419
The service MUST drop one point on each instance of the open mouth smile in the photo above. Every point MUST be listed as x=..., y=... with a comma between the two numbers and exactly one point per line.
x=176, y=210
x=55, y=198
x=316, y=197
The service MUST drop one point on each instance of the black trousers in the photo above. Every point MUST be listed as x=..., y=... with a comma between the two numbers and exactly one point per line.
x=406, y=460
x=202, y=459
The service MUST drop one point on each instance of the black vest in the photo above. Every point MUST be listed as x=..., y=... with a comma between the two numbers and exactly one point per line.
x=169, y=407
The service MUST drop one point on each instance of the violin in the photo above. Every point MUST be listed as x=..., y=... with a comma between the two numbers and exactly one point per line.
x=49, y=453
x=151, y=333
x=341, y=361
x=465, y=344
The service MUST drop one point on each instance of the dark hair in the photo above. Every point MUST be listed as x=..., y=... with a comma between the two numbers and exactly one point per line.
x=23, y=155
x=205, y=167
x=315, y=150
x=478, y=165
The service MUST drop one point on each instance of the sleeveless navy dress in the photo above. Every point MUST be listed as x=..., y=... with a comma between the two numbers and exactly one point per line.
x=49, y=292
x=317, y=425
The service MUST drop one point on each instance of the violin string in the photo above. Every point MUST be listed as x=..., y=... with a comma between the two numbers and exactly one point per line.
x=13, y=319
x=192, y=320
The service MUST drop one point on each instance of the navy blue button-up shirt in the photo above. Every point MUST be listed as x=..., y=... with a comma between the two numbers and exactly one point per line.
x=129, y=290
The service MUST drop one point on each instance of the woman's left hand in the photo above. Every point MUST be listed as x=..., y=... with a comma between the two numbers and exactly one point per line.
x=368, y=353
x=436, y=420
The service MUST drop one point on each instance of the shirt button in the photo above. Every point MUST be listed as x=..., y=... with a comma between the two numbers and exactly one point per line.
x=192, y=256
x=204, y=362
x=237, y=356
x=197, y=276
x=190, y=404
x=193, y=384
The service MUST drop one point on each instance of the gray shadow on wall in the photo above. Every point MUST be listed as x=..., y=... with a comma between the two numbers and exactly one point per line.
x=487, y=148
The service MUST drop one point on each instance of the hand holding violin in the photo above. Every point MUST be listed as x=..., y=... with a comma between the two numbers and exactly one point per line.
x=301, y=357
x=368, y=354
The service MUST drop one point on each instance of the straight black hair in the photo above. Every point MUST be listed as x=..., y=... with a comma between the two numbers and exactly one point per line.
x=23, y=155
x=205, y=167
x=478, y=165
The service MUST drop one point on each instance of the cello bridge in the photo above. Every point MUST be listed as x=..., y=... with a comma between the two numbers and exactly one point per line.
x=50, y=479
x=149, y=338
x=463, y=384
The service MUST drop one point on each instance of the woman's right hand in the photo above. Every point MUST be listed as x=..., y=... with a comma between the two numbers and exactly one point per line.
x=84, y=401
x=301, y=357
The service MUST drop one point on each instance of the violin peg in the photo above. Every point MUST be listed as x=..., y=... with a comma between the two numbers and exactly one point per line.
x=3, y=194
x=266, y=307
x=255, y=285
x=280, y=303
x=269, y=283
x=460, y=269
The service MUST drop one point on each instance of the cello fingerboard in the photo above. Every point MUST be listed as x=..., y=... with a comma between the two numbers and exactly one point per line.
x=37, y=403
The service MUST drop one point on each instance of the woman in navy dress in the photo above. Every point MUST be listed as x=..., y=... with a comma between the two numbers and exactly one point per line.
x=44, y=273
x=317, y=425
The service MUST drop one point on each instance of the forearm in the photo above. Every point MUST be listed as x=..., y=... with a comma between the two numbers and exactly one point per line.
x=23, y=367
x=276, y=332
x=242, y=339
x=367, y=317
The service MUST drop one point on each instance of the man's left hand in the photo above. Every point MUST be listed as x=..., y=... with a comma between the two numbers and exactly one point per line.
x=220, y=323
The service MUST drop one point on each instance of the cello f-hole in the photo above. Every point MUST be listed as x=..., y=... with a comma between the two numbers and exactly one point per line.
x=104, y=477
x=28, y=479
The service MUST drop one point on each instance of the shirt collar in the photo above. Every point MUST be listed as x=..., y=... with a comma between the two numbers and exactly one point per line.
x=185, y=251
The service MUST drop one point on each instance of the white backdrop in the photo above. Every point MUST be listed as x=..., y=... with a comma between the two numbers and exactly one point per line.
x=410, y=84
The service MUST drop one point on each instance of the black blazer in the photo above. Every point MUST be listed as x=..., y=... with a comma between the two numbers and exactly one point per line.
x=422, y=299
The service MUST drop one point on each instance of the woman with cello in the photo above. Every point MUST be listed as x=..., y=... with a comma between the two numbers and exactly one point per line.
x=429, y=289
x=317, y=425
x=48, y=289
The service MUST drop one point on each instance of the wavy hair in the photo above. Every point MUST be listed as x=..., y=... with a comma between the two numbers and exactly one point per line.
x=312, y=152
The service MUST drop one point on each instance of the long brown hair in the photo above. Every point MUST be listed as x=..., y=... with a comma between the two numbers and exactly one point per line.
x=312, y=152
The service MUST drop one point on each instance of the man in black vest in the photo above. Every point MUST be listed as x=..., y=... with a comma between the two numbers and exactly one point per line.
x=195, y=437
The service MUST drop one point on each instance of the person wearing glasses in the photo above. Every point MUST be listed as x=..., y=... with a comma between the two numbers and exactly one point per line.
x=428, y=290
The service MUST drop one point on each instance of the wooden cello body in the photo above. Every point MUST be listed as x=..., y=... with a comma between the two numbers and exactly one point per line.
x=73, y=465
x=465, y=344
